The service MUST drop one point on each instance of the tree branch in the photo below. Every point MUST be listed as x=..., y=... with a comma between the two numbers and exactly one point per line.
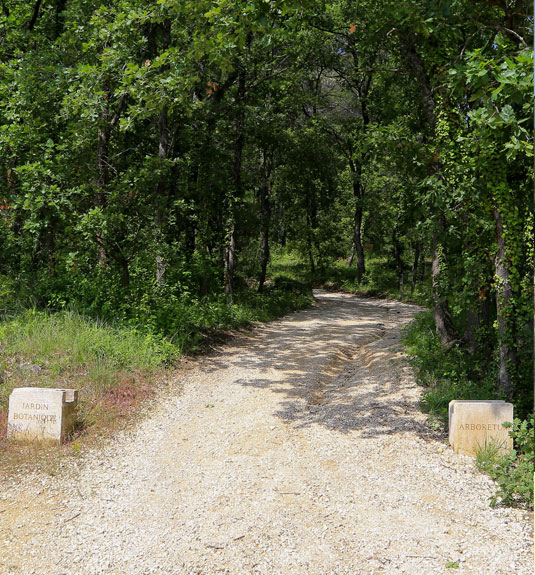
x=510, y=33
x=35, y=15
x=120, y=106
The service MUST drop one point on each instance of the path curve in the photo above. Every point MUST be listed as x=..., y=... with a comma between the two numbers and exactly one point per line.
x=296, y=449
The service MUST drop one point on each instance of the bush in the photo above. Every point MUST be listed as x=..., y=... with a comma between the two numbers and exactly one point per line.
x=451, y=373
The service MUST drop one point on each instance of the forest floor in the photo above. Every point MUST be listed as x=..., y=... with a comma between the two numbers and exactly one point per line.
x=297, y=448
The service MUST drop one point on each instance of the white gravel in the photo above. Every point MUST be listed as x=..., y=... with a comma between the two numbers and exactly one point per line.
x=297, y=449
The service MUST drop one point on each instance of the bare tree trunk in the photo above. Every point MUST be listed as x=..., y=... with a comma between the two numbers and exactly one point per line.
x=230, y=251
x=309, y=245
x=281, y=227
x=265, y=215
x=357, y=243
x=356, y=172
x=351, y=255
x=400, y=266
x=417, y=251
x=504, y=294
x=230, y=246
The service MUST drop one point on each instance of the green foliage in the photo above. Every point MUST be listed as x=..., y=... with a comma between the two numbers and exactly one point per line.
x=445, y=373
x=514, y=471
x=186, y=322
x=110, y=361
x=448, y=374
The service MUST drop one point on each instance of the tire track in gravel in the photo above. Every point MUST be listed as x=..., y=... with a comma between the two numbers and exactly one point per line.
x=296, y=449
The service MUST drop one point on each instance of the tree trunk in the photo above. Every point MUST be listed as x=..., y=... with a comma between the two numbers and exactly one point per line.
x=59, y=17
x=103, y=145
x=400, y=266
x=230, y=251
x=230, y=246
x=161, y=196
x=441, y=311
x=417, y=251
x=309, y=245
x=125, y=272
x=265, y=216
x=105, y=126
x=470, y=331
x=356, y=172
x=162, y=187
x=281, y=227
x=504, y=294
x=477, y=319
x=443, y=323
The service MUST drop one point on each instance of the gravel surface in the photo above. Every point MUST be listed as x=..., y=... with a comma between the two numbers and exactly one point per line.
x=296, y=449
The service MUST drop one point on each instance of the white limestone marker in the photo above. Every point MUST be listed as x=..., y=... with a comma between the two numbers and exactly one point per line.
x=476, y=424
x=41, y=414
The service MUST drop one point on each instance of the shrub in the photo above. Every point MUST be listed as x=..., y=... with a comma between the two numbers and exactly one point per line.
x=512, y=472
x=445, y=373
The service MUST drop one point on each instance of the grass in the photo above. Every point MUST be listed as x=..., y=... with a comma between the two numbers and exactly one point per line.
x=445, y=374
x=379, y=281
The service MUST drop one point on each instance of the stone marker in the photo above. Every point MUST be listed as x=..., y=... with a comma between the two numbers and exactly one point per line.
x=475, y=424
x=41, y=414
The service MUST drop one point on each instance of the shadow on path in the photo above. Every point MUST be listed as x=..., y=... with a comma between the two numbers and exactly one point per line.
x=338, y=365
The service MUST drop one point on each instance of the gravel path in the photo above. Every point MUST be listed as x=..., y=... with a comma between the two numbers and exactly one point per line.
x=298, y=449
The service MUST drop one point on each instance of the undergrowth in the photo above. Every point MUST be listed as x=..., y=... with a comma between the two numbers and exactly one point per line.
x=513, y=471
x=111, y=366
x=379, y=281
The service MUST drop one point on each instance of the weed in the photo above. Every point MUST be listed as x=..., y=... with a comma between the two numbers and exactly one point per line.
x=114, y=365
x=513, y=471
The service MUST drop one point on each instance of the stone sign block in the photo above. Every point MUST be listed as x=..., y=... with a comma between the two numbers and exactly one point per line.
x=41, y=414
x=476, y=424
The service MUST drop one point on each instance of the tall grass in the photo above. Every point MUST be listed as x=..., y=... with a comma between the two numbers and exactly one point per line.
x=67, y=349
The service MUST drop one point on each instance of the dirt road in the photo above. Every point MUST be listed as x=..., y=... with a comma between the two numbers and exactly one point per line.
x=296, y=449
